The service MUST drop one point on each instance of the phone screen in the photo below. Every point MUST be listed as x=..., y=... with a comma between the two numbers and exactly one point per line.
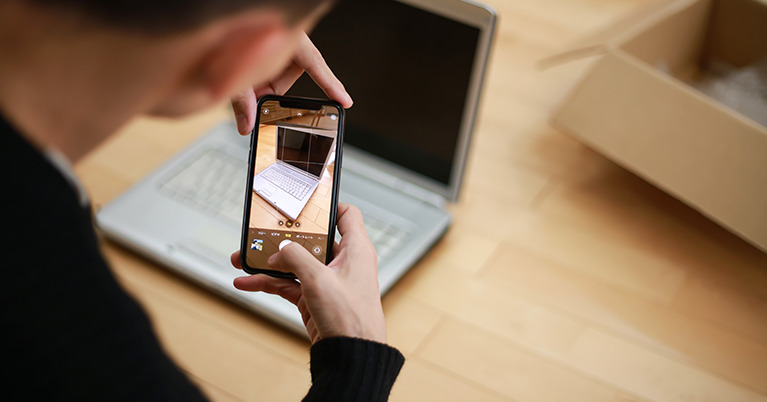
x=293, y=180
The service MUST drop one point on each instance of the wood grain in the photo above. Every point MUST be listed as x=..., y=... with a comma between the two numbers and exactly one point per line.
x=563, y=277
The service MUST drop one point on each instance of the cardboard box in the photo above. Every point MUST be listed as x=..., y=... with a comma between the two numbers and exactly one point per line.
x=638, y=107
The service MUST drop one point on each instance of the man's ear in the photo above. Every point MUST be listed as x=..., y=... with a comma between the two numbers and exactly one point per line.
x=245, y=54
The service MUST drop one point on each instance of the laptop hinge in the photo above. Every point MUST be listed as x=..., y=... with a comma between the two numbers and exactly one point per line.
x=363, y=167
x=420, y=193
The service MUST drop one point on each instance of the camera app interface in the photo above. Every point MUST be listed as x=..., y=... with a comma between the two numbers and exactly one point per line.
x=292, y=182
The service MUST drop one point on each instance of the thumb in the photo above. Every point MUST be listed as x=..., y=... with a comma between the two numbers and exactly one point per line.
x=244, y=105
x=296, y=259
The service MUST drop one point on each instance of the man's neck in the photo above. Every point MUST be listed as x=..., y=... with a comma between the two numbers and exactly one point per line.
x=68, y=91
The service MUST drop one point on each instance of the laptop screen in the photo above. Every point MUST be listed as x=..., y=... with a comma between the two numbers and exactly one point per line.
x=303, y=150
x=408, y=71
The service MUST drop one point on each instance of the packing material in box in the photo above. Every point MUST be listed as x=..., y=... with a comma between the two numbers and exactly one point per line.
x=670, y=100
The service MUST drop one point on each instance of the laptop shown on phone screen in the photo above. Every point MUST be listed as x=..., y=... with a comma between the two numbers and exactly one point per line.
x=415, y=70
x=301, y=157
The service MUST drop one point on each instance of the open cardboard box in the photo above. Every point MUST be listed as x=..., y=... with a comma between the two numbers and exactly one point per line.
x=638, y=107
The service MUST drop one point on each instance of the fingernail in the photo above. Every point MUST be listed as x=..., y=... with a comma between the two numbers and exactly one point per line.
x=242, y=123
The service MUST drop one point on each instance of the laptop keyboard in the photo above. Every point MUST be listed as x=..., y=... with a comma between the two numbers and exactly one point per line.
x=386, y=238
x=290, y=184
x=213, y=183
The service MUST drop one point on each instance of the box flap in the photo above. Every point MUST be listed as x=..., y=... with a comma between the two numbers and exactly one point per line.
x=675, y=43
x=597, y=43
x=738, y=32
x=673, y=136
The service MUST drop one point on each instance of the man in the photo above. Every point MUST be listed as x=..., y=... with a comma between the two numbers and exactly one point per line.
x=71, y=73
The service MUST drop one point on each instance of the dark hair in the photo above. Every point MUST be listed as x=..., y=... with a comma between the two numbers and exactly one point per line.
x=166, y=16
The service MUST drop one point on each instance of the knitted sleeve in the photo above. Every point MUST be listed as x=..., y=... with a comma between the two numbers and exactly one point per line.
x=352, y=369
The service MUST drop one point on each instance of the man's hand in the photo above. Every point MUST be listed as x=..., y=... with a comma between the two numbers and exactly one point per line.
x=340, y=299
x=308, y=59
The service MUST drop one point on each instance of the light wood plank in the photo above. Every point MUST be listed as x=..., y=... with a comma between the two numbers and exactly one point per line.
x=206, y=307
x=214, y=393
x=505, y=368
x=554, y=289
x=422, y=381
x=408, y=321
x=241, y=367
x=650, y=375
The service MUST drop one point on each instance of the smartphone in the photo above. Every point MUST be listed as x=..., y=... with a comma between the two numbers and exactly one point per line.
x=293, y=179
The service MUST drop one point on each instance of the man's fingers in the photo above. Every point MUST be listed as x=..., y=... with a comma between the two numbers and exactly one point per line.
x=350, y=221
x=311, y=60
x=281, y=84
x=308, y=59
x=354, y=236
x=336, y=248
x=288, y=289
x=244, y=107
x=235, y=259
x=296, y=259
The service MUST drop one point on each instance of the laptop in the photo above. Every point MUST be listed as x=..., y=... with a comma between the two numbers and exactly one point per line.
x=301, y=159
x=415, y=69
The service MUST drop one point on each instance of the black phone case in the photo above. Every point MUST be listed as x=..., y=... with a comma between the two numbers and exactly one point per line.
x=297, y=103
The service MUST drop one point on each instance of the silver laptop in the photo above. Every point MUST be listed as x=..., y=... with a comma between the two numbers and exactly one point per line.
x=415, y=72
x=288, y=184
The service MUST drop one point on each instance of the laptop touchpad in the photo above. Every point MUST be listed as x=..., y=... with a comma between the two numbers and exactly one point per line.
x=214, y=241
x=267, y=190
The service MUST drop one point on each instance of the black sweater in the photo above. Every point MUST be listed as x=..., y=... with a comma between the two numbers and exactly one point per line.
x=70, y=332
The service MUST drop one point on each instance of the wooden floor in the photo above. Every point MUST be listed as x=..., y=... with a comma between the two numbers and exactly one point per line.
x=573, y=280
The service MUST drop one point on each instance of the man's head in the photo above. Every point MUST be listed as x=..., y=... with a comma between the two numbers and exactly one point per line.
x=85, y=67
x=249, y=41
x=152, y=16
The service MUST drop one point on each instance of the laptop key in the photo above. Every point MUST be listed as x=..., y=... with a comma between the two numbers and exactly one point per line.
x=212, y=183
